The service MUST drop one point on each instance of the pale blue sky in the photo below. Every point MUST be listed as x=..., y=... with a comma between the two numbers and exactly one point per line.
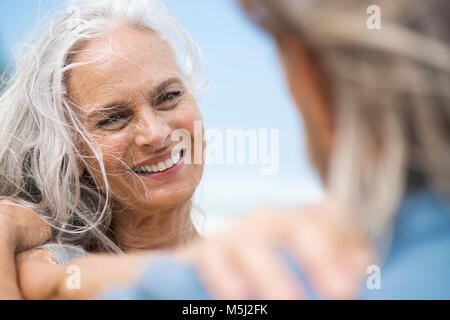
x=247, y=91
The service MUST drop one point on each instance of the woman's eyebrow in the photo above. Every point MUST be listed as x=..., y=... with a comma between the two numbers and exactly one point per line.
x=161, y=87
x=121, y=105
x=111, y=107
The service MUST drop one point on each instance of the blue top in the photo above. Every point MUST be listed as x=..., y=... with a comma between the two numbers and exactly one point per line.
x=417, y=265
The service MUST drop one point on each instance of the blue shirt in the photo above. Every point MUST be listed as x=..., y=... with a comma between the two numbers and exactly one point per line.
x=417, y=263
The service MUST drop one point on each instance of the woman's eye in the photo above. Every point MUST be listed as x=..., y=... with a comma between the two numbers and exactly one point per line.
x=168, y=97
x=113, y=119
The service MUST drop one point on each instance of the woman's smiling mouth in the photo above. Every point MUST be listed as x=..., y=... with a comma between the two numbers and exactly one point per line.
x=161, y=168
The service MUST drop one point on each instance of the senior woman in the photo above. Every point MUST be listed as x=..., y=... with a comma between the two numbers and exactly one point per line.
x=376, y=109
x=87, y=143
x=87, y=125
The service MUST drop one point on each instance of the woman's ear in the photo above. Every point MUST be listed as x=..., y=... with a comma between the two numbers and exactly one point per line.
x=311, y=93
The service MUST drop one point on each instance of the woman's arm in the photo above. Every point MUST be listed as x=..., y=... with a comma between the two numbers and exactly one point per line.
x=241, y=263
x=40, y=277
x=269, y=255
x=19, y=229
x=35, y=274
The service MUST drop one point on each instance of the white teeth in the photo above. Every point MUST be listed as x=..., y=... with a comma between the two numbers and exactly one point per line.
x=176, y=158
x=161, y=166
x=168, y=163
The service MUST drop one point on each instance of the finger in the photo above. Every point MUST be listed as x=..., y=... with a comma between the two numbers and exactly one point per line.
x=268, y=276
x=355, y=266
x=216, y=271
x=317, y=256
x=351, y=248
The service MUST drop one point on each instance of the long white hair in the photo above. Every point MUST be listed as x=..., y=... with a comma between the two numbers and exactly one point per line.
x=40, y=133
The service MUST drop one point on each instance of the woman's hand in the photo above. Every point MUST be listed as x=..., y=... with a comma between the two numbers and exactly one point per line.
x=20, y=229
x=245, y=262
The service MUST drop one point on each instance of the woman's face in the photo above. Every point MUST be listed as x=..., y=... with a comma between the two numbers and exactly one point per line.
x=132, y=97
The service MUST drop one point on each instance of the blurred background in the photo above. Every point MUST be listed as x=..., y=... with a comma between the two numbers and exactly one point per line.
x=247, y=91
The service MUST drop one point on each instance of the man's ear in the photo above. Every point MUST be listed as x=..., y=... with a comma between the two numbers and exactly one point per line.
x=311, y=92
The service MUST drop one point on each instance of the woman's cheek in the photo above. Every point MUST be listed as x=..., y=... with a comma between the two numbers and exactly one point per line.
x=113, y=148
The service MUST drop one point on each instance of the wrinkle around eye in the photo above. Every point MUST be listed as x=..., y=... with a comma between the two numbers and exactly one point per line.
x=114, y=121
x=169, y=98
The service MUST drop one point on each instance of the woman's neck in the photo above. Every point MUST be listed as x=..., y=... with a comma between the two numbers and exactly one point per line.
x=165, y=229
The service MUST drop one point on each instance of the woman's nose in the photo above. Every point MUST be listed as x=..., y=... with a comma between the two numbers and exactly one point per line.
x=152, y=131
